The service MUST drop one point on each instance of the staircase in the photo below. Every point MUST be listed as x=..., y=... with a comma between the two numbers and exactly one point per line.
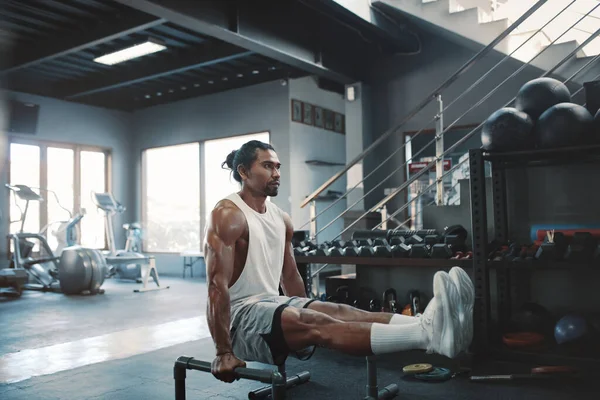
x=476, y=23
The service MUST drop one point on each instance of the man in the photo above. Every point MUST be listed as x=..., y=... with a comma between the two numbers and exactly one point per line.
x=249, y=254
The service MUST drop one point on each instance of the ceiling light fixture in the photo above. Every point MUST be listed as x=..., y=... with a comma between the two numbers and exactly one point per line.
x=142, y=49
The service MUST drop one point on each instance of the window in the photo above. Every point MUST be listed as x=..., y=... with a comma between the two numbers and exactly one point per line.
x=61, y=180
x=171, y=198
x=24, y=170
x=70, y=171
x=219, y=180
x=93, y=179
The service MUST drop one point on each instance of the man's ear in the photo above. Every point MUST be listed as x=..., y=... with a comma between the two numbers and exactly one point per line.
x=242, y=171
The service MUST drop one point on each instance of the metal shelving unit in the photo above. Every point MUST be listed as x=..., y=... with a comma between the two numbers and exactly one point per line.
x=486, y=340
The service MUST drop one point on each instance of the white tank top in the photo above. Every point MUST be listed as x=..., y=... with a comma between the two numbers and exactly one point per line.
x=266, y=246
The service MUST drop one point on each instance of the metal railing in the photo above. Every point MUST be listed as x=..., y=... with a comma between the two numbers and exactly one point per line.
x=487, y=49
x=441, y=130
x=441, y=153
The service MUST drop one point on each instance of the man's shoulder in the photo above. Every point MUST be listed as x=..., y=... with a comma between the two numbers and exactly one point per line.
x=227, y=209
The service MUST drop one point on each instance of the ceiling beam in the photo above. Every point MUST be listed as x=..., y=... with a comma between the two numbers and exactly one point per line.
x=124, y=23
x=126, y=101
x=273, y=29
x=161, y=65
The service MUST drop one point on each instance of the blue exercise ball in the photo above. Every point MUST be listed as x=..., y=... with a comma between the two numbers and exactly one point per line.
x=570, y=328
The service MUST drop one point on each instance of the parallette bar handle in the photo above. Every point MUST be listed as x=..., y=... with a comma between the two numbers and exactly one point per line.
x=263, y=376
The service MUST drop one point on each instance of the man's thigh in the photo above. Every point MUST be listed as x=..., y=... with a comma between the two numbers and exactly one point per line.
x=257, y=334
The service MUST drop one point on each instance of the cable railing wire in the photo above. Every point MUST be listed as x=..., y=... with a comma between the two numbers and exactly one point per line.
x=481, y=101
x=427, y=100
x=462, y=140
x=464, y=93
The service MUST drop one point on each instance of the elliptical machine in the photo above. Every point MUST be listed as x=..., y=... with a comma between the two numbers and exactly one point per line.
x=77, y=269
x=107, y=203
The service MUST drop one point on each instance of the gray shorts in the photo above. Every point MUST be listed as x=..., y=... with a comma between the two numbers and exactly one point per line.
x=256, y=333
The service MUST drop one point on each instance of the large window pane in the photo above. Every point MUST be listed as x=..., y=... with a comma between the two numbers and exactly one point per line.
x=93, y=179
x=61, y=181
x=219, y=180
x=172, y=198
x=25, y=170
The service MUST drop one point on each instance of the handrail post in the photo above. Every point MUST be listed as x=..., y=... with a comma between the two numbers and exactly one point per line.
x=313, y=221
x=384, y=217
x=439, y=151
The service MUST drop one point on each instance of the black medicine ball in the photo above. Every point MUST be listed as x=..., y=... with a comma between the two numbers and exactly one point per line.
x=507, y=129
x=565, y=124
x=537, y=95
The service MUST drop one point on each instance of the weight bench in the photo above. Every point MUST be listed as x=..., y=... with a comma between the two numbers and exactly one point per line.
x=278, y=380
x=190, y=257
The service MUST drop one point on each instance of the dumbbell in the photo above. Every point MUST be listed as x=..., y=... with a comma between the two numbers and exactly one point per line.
x=431, y=240
x=336, y=252
x=369, y=234
x=441, y=251
x=320, y=252
x=351, y=251
x=421, y=250
x=366, y=251
x=397, y=240
x=382, y=248
x=554, y=247
x=415, y=239
x=338, y=243
x=299, y=252
x=400, y=250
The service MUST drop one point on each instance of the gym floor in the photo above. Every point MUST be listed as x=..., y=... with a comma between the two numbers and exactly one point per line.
x=122, y=345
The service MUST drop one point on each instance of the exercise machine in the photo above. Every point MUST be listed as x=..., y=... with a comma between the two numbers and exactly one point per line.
x=126, y=263
x=134, y=237
x=77, y=269
x=67, y=233
x=133, y=271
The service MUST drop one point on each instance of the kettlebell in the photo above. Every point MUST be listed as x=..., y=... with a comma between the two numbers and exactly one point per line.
x=390, y=301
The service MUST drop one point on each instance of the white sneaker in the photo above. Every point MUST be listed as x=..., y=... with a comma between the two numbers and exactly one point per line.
x=466, y=291
x=440, y=319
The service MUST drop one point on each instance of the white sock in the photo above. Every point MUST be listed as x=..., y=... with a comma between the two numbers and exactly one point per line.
x=386, y=338
x=401, y=319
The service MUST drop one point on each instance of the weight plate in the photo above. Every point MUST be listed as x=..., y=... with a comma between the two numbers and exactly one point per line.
x=436, y=374
x=417, y=369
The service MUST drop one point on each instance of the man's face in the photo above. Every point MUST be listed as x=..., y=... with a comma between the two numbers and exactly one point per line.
x=264, y=175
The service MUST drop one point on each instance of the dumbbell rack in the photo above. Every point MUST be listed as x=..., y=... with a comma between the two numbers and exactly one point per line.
x=486, y=341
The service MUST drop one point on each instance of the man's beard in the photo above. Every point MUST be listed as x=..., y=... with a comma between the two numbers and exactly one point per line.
x=271, y=191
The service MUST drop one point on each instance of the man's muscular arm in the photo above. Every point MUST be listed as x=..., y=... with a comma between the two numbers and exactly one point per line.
x=226, y=225
x=291, y=281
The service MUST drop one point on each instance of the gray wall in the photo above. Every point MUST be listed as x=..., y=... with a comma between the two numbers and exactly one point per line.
x=258, y=108
x=312, y=143
x=557, y=195
x=401, y=83
x=62, y=121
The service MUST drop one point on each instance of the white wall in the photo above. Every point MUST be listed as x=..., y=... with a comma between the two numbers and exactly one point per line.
x=312, y=143
x=63, y=121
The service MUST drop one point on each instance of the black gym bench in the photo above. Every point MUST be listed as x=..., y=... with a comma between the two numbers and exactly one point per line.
x=278, y=380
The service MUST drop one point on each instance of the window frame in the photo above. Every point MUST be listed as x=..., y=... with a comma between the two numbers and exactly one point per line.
x=201, y=176
x=77, y=149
